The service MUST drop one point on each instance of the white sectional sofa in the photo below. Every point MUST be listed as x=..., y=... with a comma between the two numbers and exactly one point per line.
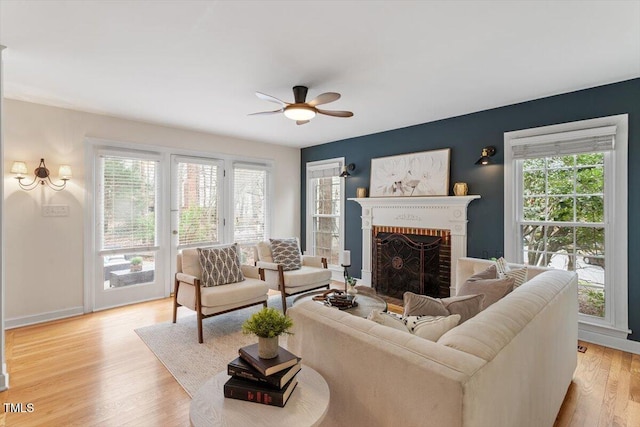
x=509, y=366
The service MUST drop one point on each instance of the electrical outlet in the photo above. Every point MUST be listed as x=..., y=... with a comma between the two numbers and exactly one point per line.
x=55, y=210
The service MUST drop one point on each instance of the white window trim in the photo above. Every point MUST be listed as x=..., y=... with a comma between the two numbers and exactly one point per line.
x=613, y=329
x=337, y=271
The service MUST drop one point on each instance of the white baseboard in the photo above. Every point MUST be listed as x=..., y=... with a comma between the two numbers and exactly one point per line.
x=17, y=322
x=4, y=378
x=629, y=346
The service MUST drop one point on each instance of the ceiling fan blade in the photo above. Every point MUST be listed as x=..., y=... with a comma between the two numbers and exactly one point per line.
x=270, y=98
x=324, y=98
x=267, y=112
x=301, y=122
x=335, y=113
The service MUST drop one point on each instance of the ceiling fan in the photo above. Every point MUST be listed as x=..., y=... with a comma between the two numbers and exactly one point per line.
x=302, y=111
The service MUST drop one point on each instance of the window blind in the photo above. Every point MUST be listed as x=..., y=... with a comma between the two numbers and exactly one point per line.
x=324, y=170
x=128, y=202
x=198, y=202
x=250, y=203
x=564, y=143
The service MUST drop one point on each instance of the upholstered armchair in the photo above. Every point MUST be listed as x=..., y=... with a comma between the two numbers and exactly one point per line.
x=289, y=272
x=196, y=288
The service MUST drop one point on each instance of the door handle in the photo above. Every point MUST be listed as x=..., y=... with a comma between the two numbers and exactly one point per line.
x=175, y=231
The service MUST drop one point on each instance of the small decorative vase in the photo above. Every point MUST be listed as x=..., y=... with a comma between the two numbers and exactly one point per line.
x=460, y=189
x=267, y=347
x=351, y=290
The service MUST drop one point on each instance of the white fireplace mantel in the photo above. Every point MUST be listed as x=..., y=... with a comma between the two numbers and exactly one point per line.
x=444, y=213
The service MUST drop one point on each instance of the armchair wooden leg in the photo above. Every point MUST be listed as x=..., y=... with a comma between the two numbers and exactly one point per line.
x=175, y=301
x=200, y=338
x=284, y=301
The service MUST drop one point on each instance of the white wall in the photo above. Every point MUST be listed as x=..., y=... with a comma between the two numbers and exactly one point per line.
x=44, y=255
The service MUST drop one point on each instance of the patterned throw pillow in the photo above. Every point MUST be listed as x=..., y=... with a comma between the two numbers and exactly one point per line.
x=387, y=319
x=502, y=267
x=287, y=253
x=519, y=276
x=220, y=265
x=431, y=327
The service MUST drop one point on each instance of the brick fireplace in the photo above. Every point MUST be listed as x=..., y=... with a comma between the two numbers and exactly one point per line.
x=445, y=217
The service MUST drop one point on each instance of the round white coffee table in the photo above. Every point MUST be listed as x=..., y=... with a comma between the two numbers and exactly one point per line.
x=306, y=406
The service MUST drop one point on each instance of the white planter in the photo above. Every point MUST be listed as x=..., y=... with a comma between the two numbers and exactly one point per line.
x=267, y=347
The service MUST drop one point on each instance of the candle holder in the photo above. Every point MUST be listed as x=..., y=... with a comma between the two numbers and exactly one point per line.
x=346, y=275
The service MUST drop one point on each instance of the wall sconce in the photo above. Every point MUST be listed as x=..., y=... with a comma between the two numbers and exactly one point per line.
x=487, y=152
x=346, y=169
x=42, y=175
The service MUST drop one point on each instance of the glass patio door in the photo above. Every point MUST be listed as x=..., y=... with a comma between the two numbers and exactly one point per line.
x=196, y=200
x=127, y=211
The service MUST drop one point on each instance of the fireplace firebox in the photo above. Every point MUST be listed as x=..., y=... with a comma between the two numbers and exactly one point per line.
x=407, y=262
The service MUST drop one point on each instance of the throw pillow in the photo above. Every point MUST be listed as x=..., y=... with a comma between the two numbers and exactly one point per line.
x=501, y=266
x=422, y=305
x=431, y=327
x=287, y=253
x=492, y=289
x=466, y=306
x=387, y=319
x=490, y=272
x=220, y=265
x=519, y=276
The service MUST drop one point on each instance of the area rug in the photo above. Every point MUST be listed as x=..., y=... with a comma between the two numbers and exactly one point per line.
x=192, y=364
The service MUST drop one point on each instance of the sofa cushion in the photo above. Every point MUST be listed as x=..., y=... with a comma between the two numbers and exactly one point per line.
x=286, y=252
x=431, y=327
x=466, y=306
x=307, y=276
x=387, y=319
x=220, y=265
x=422, y=305
x=492, y=289
x=518, y=275
x=264, y=252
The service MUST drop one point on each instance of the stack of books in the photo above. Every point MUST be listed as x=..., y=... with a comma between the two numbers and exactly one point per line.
x=266, y=381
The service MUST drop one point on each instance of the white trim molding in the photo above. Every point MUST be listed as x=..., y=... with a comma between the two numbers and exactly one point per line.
x=17, y=322
x=612, y=330
x=443, y=213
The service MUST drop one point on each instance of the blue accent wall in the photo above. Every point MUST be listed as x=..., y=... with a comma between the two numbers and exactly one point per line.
x=466, y=136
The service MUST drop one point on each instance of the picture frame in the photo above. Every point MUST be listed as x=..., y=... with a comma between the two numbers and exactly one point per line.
x=420, y=174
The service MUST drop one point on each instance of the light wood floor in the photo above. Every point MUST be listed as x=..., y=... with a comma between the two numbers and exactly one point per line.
x=93, y=370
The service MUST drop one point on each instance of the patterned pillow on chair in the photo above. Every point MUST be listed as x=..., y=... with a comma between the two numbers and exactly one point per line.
x=220, y=265
x=287, y=253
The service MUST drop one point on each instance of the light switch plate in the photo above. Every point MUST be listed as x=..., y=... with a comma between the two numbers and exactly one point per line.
x=55, y=210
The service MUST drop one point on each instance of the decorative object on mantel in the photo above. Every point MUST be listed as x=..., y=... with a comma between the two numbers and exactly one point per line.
x=460, y=189
x=487, y=152
x=409, y=175
x=42, y=175
x=346, y=169
x=268, y=324
x=361, y=192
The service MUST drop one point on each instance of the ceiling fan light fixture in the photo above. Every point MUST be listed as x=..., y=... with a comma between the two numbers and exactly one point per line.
x=299, y=112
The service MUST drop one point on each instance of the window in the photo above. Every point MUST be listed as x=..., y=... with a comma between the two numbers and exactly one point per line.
x=325, y=210
x=567, y=207
x=251, y=211
x=197, y=186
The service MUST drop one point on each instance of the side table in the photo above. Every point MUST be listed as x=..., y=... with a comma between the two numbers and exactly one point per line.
x=307, y=405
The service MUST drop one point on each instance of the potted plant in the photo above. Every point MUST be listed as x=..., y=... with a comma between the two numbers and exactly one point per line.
x=268, y=324
x=351, y=283
x=135, y=264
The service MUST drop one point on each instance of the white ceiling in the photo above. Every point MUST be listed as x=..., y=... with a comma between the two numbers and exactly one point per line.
x=197, y=64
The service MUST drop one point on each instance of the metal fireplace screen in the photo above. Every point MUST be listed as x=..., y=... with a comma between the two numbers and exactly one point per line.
x=406, y=262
